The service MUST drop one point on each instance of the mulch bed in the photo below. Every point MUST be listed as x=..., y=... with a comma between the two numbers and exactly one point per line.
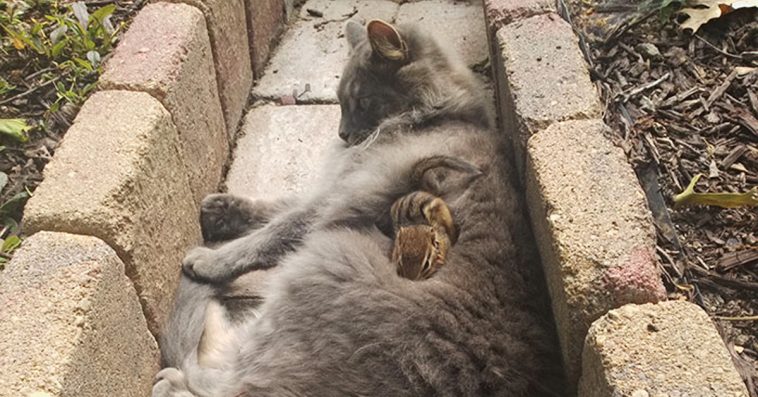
x=34, y=77
x=682, y=104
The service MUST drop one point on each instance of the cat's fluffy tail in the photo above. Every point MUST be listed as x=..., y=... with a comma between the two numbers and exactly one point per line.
x=187, y=322
x=200, y=339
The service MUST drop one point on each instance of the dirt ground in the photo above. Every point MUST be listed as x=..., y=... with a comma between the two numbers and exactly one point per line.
x=682, y=104
x=44, y=90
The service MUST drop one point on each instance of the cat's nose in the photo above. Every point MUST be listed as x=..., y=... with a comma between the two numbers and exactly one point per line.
x=344, y=134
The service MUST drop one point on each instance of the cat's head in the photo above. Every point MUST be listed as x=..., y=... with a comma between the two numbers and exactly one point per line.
x=397, y=69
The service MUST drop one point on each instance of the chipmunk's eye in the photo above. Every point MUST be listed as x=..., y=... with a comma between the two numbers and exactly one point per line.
x=427, y=264
x=436, y=243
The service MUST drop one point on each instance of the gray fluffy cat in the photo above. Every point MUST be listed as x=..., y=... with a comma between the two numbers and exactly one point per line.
x=336, y=319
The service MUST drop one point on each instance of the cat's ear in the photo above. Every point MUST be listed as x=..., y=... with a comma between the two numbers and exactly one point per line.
x=354, y=32
x=386, y=41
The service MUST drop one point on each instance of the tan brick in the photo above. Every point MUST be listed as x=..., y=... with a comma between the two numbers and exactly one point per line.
x=498, y=13
x=166, y=52
x=542, y=78
x=593, y=229
x=665, y=349
x=502, y=12
x=71, y=324
x=265, y=23
x=228, y=35
x=117, y=176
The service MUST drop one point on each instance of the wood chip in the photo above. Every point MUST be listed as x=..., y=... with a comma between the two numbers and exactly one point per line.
x=733, y=156
x=721, y=89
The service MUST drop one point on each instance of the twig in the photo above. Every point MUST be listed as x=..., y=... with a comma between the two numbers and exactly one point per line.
x=745, y=318
x=39, y=72
x=624, y=27
x=718, y=49
x=725, y=281
x=670, y=260
x=734, y=259
x=679, y=97
x=29, y=91
x=626, y=96
x=100, y=2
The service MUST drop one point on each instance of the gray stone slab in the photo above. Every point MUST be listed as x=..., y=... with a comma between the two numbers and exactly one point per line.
x=459, y=24
x=313, y=51
x=282, y=148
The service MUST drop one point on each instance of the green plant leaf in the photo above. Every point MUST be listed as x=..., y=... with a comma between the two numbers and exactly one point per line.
x=58, y=33
x=36, y=28
x=93, y=57
x=10, y=244
x=5, y=87
x=10, y=225
x=3, y=180
x=103, y=12
x=81, y=13
x=15, y=128
x=723, y=200
x=13, y=203
x=58, y=48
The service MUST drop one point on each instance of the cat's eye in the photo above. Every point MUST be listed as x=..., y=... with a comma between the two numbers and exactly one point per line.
x=364, y=103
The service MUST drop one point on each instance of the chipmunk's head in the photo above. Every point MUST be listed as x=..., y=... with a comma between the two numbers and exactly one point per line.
x=419, y=251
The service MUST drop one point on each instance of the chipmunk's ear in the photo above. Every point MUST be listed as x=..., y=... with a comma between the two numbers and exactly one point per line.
x=355, y=33
x=437, y=214
x=386, y=41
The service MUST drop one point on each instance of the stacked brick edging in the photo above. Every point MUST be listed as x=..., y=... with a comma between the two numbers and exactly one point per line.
x=83, y=309
x=665, y=349
x=71, y=322
x=591, y=220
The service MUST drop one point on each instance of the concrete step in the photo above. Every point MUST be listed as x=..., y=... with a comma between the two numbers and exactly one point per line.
x=281, y=149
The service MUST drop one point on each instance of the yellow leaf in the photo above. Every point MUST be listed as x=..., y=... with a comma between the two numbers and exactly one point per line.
x=17, y=43
x=723, y=200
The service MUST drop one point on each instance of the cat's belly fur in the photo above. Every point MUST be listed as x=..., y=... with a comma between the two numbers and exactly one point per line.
x=337, y=320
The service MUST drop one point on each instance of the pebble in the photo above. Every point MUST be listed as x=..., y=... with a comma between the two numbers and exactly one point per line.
x=640, y=393
x=648, y=51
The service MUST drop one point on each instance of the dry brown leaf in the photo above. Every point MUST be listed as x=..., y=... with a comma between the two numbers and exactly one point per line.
x=702, y=11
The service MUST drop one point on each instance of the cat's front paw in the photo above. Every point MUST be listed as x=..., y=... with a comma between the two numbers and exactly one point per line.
x=203, y=264
x=170, y=382
x=225, y=216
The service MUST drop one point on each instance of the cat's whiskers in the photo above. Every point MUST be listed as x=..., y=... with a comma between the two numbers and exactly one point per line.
x=370, y=139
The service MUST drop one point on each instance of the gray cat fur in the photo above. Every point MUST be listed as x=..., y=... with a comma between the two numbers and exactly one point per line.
x=337, y=320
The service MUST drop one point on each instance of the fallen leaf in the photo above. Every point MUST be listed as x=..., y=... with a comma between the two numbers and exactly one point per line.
x=702, y=11
x=15, y=128
x=723, y=200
